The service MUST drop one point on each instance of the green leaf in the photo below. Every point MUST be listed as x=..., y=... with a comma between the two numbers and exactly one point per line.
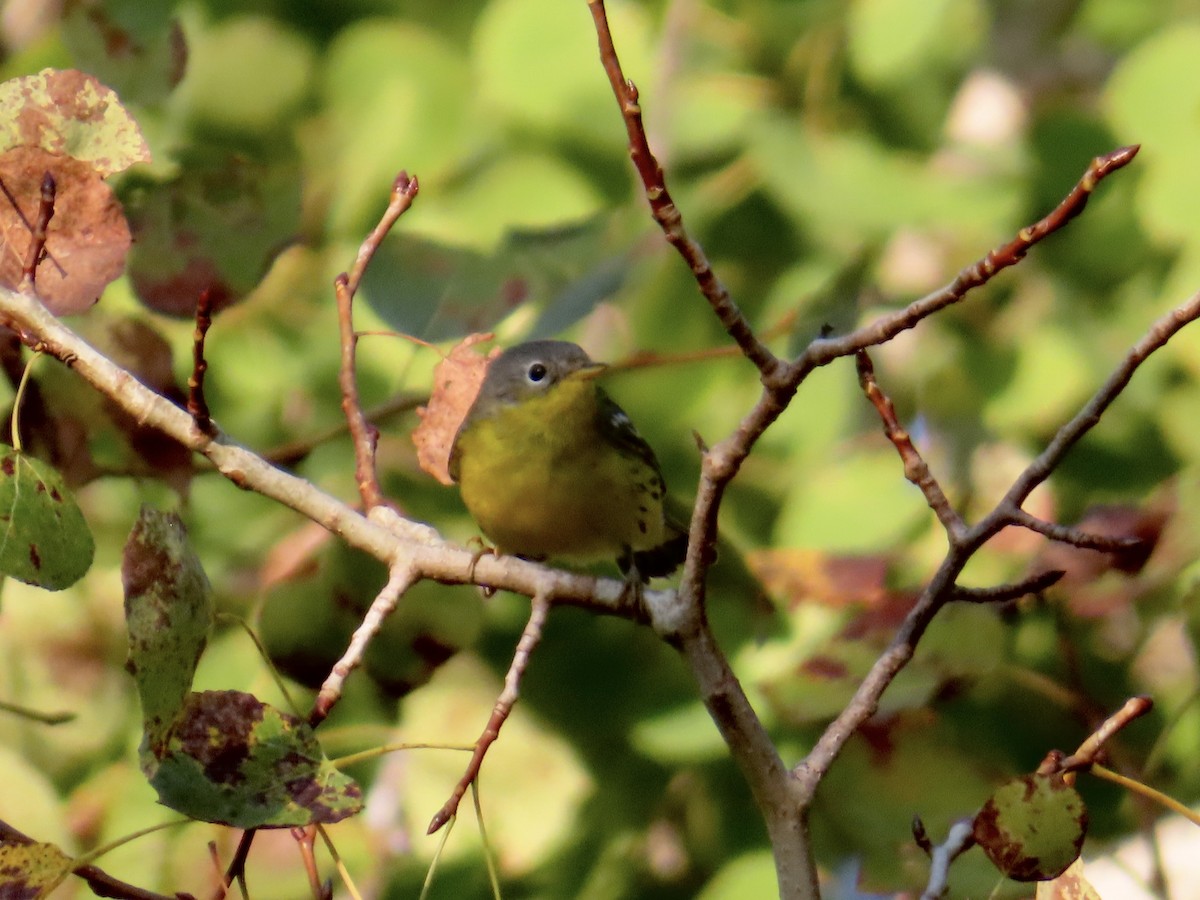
x=1032, y=827
x=855, y=188
x=234, y=760
x=748, y=875
x=168, y=612
x=537, y=66
x=683, y=735
x=138, y=48
x=246, y=73
x=1151, y=96
x=217, y=226
x=71, y=113
x=31, y=870
x=434, y=291
x=388, y=70
x=46, y=541
x=896, y=39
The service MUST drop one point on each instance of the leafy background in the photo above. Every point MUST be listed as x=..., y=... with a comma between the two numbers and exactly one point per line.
x=835, y=159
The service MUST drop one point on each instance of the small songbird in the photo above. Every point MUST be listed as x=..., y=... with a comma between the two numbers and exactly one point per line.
x=549, y=466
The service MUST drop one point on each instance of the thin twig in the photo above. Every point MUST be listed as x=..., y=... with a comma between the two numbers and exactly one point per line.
x=37, y=240
x=915, y=468
x=305, y=838
x=400, y=579
x=365, y=435
x=236, y=870
x=1076, y=537
x=46, y=718
x=663, y=208
x=1164, y=328
x=1088, y=752
x=1005, y=593
x=197, y=406
x=1144, y=790
x=942, y=587
x=959, y=839
x=530, y=637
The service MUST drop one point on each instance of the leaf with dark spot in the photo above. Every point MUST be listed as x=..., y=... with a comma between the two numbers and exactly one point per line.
x=217, y=227
x=168, y=612
x=1032, y=827
x=137, y=48
x=45, y=540
x=237, y=761
x=69, y=113
x=31, y=870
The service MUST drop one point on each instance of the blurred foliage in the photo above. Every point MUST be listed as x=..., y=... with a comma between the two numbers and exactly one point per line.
x=836, y=160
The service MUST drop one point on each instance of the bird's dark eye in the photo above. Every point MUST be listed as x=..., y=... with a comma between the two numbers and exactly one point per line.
x=537, y=372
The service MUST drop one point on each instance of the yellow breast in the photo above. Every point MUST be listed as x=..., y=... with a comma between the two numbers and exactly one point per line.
x=542, y=480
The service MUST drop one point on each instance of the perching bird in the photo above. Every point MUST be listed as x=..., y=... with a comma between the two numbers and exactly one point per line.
x=549, y=466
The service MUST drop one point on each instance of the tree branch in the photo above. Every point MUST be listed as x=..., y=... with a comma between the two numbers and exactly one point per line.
x=363, y=433
x=915, y=468
x=383, y=534
x=531, y=636
x=664, y=210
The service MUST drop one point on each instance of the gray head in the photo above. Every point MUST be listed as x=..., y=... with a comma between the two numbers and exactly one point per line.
x=527, y=370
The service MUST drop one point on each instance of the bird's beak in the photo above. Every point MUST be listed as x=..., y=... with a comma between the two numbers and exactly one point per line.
x=590, y=371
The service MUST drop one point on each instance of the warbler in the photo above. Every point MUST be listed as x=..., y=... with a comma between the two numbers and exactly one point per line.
x=549, y=466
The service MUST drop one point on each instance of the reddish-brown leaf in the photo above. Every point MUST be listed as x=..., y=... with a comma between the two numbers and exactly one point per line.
x=88, y=237
x=456, y=381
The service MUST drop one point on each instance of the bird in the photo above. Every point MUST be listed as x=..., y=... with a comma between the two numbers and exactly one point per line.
x=550, y=467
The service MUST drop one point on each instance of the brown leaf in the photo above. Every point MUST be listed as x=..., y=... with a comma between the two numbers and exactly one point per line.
x=456, y=381
x=1070, y=885
x=175, y=293
x=797, y=575
x=138, y=348
x=88, y=237
x=1092, y=589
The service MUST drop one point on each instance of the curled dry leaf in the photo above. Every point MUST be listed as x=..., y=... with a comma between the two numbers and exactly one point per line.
x=88, y=237
x=456, y=381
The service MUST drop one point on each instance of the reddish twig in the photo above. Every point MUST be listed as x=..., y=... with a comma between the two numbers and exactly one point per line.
x=197, y=406
x=37, y=239
x=365, y=436
x=16, y=207
x=664, y=210
x=915, y=468
x=305, y=839
x=1089, y=751
x=824, y=350
x=941, y=587
x=530, y=638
